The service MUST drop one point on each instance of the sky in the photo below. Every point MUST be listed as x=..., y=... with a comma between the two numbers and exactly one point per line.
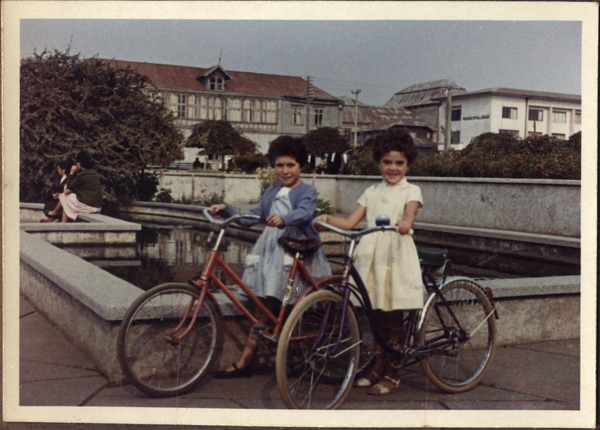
x=378, y=57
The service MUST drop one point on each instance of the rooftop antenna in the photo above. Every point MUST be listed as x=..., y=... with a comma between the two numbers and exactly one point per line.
x=220, y=54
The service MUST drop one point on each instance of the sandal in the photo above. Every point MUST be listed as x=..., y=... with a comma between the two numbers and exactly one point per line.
x=367, y=381
x=380, y=389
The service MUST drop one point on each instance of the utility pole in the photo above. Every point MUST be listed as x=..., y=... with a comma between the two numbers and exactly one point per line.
x=357, y=92
x=310, y=92
x=448, y=120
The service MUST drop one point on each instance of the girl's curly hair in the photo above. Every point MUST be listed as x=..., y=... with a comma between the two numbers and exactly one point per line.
x=394, y=140
x=288, y=146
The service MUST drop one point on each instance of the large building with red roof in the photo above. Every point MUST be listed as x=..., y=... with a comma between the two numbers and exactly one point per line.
x=261, y=106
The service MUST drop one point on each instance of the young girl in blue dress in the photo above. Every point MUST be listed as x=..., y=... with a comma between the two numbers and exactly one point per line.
x=387, y=261
x=288, y=208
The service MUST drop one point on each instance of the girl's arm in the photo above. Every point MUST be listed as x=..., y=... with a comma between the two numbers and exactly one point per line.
x=345, y=223
x=410, y=214
x=305, y=208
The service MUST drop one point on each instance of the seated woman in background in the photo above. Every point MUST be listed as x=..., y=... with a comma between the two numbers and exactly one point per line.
x=84, y=192
x=58, y=187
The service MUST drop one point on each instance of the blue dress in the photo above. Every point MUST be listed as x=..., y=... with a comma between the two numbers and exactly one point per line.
x=268, y=266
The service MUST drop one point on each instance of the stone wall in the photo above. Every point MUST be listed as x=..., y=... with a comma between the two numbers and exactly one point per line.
x=547, y=207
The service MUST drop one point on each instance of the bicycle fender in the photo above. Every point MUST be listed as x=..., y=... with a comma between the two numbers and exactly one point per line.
x=465, y=278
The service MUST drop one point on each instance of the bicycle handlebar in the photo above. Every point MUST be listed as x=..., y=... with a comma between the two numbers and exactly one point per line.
x=207, y=213
x=356, y=234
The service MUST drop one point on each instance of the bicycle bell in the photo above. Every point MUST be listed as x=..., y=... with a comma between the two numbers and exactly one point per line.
x=382, y=220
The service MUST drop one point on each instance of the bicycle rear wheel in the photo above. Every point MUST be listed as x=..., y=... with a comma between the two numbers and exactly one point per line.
x=458, y=366
x=310, y=373
x=151, y=359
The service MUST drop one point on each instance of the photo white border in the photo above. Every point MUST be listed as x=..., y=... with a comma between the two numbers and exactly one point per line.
x=13, y=11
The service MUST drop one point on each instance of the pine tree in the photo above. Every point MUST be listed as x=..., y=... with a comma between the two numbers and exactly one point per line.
x=70, y=103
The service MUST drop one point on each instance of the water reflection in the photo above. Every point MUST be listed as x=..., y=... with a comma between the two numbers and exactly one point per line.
x=177, y=254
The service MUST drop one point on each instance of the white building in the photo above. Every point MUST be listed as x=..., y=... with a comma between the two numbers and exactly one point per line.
x=520, y=113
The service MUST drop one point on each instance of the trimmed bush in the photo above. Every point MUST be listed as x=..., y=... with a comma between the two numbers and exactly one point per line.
x=492, y=155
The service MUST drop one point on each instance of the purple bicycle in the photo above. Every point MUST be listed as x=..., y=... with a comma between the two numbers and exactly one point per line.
x=323, y=344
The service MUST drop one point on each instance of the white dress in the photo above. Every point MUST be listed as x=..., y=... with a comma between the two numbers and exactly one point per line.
x=388, y=262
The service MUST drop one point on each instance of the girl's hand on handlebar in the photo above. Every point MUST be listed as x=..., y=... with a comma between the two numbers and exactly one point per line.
x=216, y=209
x=274, y=220
x=322, y=218
x=403, y=227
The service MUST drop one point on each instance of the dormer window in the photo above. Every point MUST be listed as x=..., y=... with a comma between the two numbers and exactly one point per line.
x=215, y=84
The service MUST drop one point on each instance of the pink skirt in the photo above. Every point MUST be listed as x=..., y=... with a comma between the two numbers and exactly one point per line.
x=74, y=207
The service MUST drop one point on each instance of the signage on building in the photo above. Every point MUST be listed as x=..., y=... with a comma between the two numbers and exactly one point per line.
x=468, y=118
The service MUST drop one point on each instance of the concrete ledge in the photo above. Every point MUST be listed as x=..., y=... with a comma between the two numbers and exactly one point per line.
x=103, y=293
x=88, y=231
x=87, y=303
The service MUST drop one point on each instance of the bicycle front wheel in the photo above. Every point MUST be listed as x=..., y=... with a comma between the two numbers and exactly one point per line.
x=313, y=370
x=458, y=362
x=152, y=358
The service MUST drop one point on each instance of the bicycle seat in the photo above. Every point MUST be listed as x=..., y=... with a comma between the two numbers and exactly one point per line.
x=432, y=256
x=299, y=245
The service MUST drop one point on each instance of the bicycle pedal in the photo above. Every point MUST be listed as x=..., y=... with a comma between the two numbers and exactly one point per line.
x=257, y=330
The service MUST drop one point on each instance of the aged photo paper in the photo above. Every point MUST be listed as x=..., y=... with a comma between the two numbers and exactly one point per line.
x=15, y=11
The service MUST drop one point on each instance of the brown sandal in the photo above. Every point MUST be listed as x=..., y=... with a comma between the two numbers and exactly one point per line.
x=367, y=381
x=380, y=389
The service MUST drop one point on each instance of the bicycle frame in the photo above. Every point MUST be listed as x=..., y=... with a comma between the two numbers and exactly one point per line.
x=208, y=275
x=362, y=295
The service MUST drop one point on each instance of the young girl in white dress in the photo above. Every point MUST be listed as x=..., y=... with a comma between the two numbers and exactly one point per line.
x=288, y=208
x=386, y=261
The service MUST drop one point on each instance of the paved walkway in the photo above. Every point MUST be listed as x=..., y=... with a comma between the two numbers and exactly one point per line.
x=540, y=376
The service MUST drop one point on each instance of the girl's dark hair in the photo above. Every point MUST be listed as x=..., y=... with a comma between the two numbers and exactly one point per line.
x=64, y=165
x=85, y=160
x=394, y=140
x=288, y=146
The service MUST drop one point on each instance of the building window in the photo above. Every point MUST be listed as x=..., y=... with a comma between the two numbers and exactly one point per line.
x=577, y=117
x=318, y=116
x=214, y=108
x=560, y=136
x=269, y=113
x=297, y=115
x=536, y=115
x=252, y=110
x=456, y=136
x=181, y=105
x=456, y=114
x=194, y=107
x=514, y=133
x=232, y=109
x=559, y=116
x=509, y=112
x=256, y=105
x=215, y=84
x=348, y=134
x=537, y=133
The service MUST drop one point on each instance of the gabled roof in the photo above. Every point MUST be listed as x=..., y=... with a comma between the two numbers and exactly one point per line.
x=424, y=93
x=217, y=67
x=380, y=118
x=166, y=76
x=513, y=92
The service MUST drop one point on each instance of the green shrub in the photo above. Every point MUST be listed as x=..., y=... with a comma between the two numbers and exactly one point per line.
x=493, y=155
x=362, y=163
x=249, y=162
x=266, y=177
x=208, y=199
x=164, y=196
x=323, y=208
